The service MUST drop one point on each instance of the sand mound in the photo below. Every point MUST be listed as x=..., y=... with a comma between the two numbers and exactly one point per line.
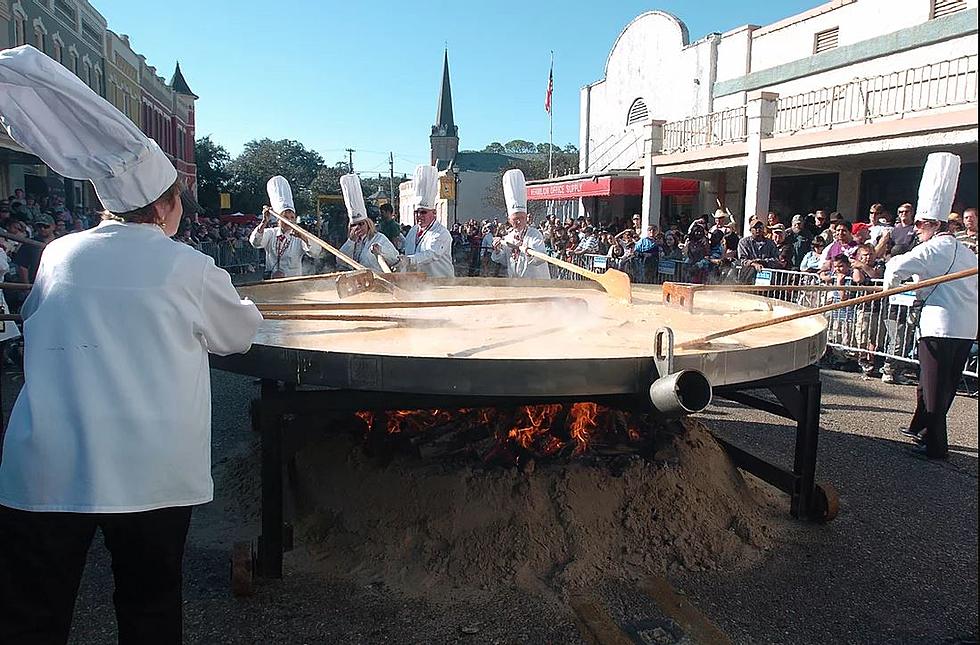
x=422, y=528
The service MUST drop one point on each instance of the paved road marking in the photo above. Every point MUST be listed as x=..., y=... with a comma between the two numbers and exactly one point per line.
x=698, y=627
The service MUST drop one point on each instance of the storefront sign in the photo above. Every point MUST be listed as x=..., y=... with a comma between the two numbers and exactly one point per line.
x=606, y=186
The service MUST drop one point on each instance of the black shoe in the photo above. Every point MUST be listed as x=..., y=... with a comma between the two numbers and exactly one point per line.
x=920, y=451
x=917, y=437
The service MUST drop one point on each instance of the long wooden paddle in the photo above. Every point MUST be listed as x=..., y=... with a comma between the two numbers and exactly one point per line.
x=616, y=283
x=570, y=301
x=391, y=286
x=23, y=240
x=871, y=297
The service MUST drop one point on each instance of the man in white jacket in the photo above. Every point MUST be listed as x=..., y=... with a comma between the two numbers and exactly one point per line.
x=124, y=445
x=284, y=249
x=948, y=319
x=428, y=244
x=511, y=250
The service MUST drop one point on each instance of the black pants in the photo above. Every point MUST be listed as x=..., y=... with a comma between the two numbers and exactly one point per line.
x=941, y=363
x=42, y=556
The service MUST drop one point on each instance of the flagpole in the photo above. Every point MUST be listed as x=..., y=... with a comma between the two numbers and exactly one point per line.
x=551, y=118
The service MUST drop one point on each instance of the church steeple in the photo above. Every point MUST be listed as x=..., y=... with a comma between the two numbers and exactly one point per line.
x=445, y=126
x=444, y=138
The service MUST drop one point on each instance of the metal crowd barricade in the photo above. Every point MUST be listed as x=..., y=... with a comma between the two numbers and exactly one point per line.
x=234, y=256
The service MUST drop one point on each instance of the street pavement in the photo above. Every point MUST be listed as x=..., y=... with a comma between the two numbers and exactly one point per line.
x=898, y=565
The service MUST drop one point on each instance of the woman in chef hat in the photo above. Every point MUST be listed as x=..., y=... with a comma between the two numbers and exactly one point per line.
x=365, y=243
x=511, y=250
x=112, y=428
x=284, y=250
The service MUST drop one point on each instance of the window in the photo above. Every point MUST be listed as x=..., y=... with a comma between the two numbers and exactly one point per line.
x=824, y=40
x=942, y=8
x=88, y=74
x=66, y=10
x=20, y=29
x=39, y=40
x=73, y=63
x=58, y=53
x=92, y=34
x=638, y=112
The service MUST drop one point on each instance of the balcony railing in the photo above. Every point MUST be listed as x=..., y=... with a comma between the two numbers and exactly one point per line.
x=698, y=132
x=865, y=100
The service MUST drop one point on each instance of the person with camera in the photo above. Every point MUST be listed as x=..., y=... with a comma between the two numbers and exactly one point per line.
x=947, y=312
x=112, y=428
x=284, y=249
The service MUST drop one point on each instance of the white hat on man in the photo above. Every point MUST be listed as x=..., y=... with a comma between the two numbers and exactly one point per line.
x=280, y=194
x=426, y=185
x=515, y=191
x=938, y=187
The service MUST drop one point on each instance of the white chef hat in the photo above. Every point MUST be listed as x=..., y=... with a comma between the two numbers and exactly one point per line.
x=515, y=191
x=350, y=185
x=280, y=194
x=938, y=186
x=426, y=185
x=80, y=135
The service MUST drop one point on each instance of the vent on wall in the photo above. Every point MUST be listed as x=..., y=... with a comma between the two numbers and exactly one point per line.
x=824, y=40
x=638, y=112
x=942, y=8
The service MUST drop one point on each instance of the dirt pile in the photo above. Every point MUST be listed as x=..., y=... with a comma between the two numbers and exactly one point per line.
x=422, y=528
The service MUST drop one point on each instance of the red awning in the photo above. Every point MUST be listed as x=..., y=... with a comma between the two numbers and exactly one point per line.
x=606, y=186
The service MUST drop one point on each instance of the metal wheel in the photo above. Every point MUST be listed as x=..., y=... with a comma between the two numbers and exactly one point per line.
x=242, y=569
x=826, y=502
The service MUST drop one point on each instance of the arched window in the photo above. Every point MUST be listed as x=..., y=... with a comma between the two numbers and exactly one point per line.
x=638, y=112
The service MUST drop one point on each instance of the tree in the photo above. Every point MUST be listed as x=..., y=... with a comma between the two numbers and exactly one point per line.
x=495, y=147
x=533, y=167
x=327, y=179
x=212, y=172
x=519, y=146
x=571, y=149
x=265, y=158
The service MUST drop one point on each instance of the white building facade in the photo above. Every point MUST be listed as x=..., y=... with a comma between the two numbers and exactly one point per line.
x=833, y=108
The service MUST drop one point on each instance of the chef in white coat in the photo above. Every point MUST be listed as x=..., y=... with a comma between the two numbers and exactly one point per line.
x=428, y=244
x=948, y=318
x=284, y=249
x=511, y=250
x=365, y=243
x=112, y=428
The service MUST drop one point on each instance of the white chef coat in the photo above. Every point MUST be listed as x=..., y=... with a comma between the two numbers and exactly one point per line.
x=361, y=252
x=523, y=265
x=433, y=253
x=115, y=412
x=291, y=262
x=949, y=309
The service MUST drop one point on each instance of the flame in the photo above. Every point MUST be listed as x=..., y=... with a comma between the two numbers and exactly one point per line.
x=582, y=422
x=533, y=430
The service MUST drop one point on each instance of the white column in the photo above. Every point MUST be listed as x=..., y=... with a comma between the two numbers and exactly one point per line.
x=652, y=194
x=849, y=195
x=760, y=114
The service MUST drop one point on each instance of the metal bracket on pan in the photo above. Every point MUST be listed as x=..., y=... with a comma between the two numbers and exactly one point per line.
x=663, y=351
x=679, y=296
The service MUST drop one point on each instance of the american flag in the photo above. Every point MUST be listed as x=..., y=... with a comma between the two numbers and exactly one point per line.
x=551, y=86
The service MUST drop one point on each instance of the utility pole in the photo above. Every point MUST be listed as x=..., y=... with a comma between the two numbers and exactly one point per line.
x=350, y=159
x=391, y=177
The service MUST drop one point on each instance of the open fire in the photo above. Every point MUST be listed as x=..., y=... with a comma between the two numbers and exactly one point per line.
x=509, y=435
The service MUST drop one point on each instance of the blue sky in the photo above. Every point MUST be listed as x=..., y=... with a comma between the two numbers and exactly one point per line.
x=365, y=75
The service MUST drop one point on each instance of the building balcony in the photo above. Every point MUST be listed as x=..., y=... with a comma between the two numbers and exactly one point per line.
x=928, y=90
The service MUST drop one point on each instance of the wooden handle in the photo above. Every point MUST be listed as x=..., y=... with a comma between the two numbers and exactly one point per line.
x=871, y=297
x=391, y=286
x=585, y=273
x=384, y=263
x=752, y=288
x=15, y=286
x=301, y=232
x=11, y=318
x=418, y=304
x=23, y=240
